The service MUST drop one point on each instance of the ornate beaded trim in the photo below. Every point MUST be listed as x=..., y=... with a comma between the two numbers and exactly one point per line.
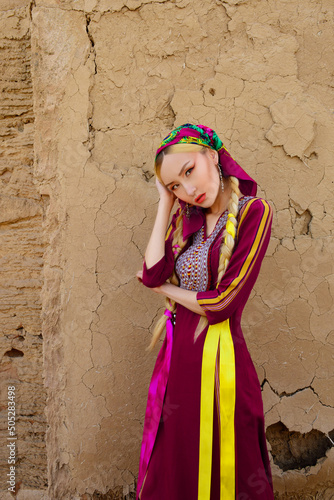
x=192, y=265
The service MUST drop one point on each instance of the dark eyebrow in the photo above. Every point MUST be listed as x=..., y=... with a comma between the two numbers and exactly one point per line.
x=180, y=173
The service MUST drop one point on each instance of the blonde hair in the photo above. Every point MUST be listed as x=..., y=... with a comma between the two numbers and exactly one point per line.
x=226, y=247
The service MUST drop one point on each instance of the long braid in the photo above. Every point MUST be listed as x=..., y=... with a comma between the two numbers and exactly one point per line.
x=227, y=244
x=177, y=245
x=228, y=239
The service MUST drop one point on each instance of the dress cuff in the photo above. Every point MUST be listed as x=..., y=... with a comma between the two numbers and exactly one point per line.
x=155, y=275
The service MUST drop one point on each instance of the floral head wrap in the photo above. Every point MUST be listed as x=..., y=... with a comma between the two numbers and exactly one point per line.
x=205, y=136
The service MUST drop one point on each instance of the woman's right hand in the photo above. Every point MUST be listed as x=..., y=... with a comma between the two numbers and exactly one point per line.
x=156, y=246
x=167, y=198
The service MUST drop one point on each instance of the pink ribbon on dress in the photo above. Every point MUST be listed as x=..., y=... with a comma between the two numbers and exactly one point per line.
x=155, y=399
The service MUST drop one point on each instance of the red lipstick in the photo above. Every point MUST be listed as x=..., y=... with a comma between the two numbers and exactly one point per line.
x=200, y=198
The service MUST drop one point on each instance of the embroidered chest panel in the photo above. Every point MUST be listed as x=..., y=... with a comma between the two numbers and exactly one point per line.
x=192, y=265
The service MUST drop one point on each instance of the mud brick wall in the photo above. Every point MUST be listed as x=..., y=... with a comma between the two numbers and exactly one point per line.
x=110, y=78
x=21, y=257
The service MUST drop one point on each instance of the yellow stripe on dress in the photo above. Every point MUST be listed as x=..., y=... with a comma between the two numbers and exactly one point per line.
x=247, y=265
x=227, y=407
x=206, y=414
x=218, y=336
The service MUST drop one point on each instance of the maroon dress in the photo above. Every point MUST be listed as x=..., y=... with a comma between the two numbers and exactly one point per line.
x=173, y=469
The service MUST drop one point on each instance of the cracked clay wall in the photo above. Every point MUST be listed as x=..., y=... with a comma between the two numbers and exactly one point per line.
x=110, y=79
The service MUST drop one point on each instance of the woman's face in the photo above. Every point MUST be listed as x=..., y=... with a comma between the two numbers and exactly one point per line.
x=192, y=177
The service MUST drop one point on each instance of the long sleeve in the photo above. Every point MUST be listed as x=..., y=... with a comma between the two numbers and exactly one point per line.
x=163, y=269
x=252, y=239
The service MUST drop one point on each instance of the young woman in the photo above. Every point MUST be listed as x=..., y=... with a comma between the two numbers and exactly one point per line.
x=204, y=435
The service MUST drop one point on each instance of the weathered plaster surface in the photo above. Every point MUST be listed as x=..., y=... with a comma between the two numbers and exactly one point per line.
x=110, y=79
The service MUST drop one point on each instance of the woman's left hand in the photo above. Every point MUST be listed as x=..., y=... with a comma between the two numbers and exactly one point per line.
x=139, y=275
x=185, y=297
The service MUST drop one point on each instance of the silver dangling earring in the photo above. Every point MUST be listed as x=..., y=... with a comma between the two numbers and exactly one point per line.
x=221, y=177
x=187, y=211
